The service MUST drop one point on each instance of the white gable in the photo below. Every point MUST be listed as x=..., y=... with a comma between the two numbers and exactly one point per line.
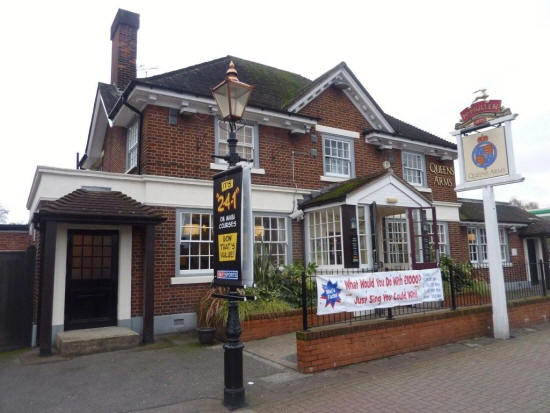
x=344, y=80
x=387, y=190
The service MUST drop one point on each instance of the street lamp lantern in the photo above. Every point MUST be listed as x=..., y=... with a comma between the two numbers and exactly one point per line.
x=232, y=95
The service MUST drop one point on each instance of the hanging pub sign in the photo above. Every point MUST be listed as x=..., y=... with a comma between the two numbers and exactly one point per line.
x=232, y=228
x=485, y=150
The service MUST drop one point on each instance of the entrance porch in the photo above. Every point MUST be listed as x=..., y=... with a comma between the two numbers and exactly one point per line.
x=85, y=269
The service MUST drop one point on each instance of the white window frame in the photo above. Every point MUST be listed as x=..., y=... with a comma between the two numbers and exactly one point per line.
x=480, y=245
x=180, y=224
x=422, y=169
x=132, y=141
x=363, y=234
x=390, y=247
x=351, y=159
x=324, y=241
x=442, y=228
x=284, y=230
x=222, y=134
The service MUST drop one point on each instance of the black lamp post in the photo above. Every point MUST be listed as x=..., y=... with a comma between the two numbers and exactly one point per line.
x=231, y=97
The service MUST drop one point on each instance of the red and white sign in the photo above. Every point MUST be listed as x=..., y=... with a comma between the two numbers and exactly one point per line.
x=480, y=112
x=368, y=291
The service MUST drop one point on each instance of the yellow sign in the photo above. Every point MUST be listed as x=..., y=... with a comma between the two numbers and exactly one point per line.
x=227, y=185
x=484, y=155
x=227, y=246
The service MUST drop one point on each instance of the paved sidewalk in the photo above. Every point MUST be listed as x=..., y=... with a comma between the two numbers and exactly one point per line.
x=482, y=375
x=176, y=375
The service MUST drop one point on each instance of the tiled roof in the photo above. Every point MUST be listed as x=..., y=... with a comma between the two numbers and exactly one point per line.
x=109, y=95
x=471, y=210
x=275, y=89
x=541, y=227
x=99, y=204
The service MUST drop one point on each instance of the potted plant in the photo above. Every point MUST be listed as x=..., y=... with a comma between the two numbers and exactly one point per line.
x=206, y=315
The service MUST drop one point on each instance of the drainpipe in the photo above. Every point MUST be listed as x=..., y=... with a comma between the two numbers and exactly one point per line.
x=140, y=115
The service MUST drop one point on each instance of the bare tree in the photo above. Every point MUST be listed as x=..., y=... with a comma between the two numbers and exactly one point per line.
x=3, y=215
x=524, y=205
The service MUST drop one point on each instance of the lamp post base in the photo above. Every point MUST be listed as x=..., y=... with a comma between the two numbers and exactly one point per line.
x=233, y=392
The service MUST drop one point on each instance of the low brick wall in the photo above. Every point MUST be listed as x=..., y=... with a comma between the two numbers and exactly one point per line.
x=339, y=345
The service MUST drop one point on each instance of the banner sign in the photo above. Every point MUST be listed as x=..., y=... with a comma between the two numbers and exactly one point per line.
x=368, y=291
x=232, y=227
x=485, y=155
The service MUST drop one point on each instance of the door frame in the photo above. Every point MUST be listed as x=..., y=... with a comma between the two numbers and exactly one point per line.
x=113, y=319
x=538, y=254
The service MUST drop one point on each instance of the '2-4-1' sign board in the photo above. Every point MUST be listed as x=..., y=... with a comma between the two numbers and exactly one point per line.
x=233, y=228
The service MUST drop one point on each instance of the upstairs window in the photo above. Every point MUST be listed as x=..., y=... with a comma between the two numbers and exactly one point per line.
x=247, y=141
x=132, y=146
x=338, y=157
x=414, y=168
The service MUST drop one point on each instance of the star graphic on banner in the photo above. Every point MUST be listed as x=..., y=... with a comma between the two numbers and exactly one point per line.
x=331, y=293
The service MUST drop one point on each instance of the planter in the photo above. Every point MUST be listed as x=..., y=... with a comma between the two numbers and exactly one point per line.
x=206, y=335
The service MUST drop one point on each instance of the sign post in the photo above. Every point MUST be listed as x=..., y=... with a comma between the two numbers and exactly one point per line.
x=486, y=159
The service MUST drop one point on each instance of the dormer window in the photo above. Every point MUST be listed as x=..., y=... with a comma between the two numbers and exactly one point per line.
x=247, y=136
x=132, y=146
x=414, y=168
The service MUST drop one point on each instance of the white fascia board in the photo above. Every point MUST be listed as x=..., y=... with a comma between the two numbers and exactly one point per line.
x=410, y=145
x=365, y=106
x=53, y=183
x=337, y=131
x=139, y=97
x=324, y=206
x=500, y=224
x=98, y=129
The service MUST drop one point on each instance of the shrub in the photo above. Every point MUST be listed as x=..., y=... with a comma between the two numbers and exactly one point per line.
x=462, y=273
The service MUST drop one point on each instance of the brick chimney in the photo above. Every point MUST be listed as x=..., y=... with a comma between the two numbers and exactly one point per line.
x=124, y=39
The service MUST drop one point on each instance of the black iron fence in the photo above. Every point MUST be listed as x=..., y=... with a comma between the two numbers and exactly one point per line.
x=464, y=285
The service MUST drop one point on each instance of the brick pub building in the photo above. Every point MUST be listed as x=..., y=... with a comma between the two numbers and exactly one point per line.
x=125, y=239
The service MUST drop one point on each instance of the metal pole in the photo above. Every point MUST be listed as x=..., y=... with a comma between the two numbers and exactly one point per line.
x=501, y=327
x=233, y=392
x=543, y=277
x=304, y=300
x=453, y=288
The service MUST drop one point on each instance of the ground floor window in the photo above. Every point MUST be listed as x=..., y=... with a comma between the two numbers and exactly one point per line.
x=270, y=238
x=477, y=244
x=443, y=238
x=396, y=241
x=195, y=241
x=325, y=237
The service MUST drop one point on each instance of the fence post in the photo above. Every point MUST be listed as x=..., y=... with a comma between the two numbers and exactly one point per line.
x=453, y=290
x=543, y=276
x=390, y=314
x=304, y=300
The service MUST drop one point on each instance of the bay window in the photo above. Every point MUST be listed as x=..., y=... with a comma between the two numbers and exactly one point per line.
x=325, y=237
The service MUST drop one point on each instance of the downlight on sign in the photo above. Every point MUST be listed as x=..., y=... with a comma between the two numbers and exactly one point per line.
x=485, y=155
x=369, y=291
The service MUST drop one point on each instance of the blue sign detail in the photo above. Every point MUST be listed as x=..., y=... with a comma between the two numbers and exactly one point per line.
x=331, y=293
x=484, y=154
x=228, y=274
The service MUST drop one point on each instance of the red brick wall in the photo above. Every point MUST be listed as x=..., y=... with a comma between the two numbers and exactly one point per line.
x=169, y=299
x=298, y=241
x=319, y=350
x=114, y=150
x=459, y=242
x=14, y=241
x=124, y=52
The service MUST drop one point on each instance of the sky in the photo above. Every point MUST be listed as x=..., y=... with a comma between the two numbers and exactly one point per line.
x=421, y=61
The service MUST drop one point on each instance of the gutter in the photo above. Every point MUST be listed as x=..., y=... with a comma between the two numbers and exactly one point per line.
x=140, y=115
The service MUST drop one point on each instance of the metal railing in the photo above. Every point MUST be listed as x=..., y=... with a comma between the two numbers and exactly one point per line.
x=463, y=286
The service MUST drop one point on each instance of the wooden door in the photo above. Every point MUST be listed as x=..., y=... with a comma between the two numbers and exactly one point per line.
x=92, y=279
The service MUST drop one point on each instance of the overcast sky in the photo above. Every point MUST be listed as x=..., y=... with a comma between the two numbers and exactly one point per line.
x=420, y=61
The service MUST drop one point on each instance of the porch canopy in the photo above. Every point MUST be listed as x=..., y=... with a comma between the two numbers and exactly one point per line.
x=91, y=206
x=382, y=194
